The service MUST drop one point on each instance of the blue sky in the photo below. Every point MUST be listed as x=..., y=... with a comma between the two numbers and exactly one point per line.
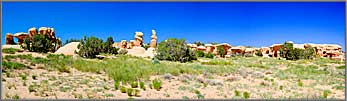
x=237, y=23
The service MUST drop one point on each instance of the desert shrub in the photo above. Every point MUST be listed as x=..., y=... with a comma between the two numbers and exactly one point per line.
x=281, y=87
x=116, y=85
x=258, y=53
x=246, y=95
x=200, y=53
x=134, y=84
x=136, y=92
x=123, y=89
x=146, y=46
x=142, y=85
x=209, y=55
x=300, y=83
x=341, y=67
x=40, y=43
x=248, y=55
x=10, y=50
x=90, y=47
x=12, y=65
x=175, y=50
x=220, y=51
x=122, y=51
x=237, y=93
x=290, y=53
x=130, y=91
x=157, y=84
x=34, y=77
x=108, y=47
x=326, y=93
x=198, y=43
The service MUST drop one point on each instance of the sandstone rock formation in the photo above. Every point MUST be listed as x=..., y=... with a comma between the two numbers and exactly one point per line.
x=32, y=32
x=123, y=44
x=275, y=50
x=201, y=48
x=265, y=51
x=332, y=51
x=21, y=37
x=225, y=46
x=9, y=39
x=131, y=44
x=238, y=50
x=192, y=46
x=154, y=39
x=138, y=39
x=43, y=30
x=210, y=48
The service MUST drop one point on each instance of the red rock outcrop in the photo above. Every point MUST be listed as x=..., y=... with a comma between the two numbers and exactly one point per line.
x=9, y=39
x=21, y=37
x=32, y=32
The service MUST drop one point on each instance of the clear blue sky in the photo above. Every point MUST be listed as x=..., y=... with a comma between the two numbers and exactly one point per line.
x=237, y=23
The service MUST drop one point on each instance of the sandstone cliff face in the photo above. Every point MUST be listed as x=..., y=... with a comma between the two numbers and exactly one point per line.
x=21, y=37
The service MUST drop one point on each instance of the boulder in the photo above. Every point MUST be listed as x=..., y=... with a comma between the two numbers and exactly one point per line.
x=68, y=49
x=9, y=39
x=21, y=37
x=150, y=52
x=137, y=51
x=153, y=43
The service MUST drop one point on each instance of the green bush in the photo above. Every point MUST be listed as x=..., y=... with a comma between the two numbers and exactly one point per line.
x=326, y=93
x=134, y=84
x=116, y=85
x=220, y=51
x=142, y=85
x=157, y=84
x=130, y=91
x=200, y=53
x=175, y=50
x=90, y=47
x=246, y=95
x=146, y=46
x=108, y=47
x=123, y=89
x=209, y=55
x=40, y=43
x=237, y=93
x=290, y=53
x=10, y=50
x=12, y=65
x=198, y=43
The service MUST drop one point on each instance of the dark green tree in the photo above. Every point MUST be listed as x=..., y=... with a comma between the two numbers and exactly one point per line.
x=174, y=49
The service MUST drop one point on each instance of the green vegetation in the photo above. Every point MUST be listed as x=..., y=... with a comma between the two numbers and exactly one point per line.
x=220, y=51
x=237, y=93
x=326, y=93
x=134, y=84
x=12, y=65
x=34, y=77
x=246, y=95
x=116, y=85
x=209, y=55
x=198, y=43
x=130, y=92
x=175, y=50
x=10, y=50
x=90, y=47
x=123, y=89
x=41, y=43
x=290, y=53
x=200, y=53
x=142, y=85
x=71, y=40
x=157, y=84
x=341, y=67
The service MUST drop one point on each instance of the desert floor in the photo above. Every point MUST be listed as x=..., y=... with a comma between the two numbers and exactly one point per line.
x=44, y=76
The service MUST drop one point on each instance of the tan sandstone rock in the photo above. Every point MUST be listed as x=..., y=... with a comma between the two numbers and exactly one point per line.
x=123, y=44
x=138, y=39
x=32, y=31
x=9, y=39
x=153, y=43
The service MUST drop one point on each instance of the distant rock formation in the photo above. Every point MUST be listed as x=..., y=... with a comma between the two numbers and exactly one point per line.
x=138, y=39
x=9, y=39
x=21, y=37
x=153, y=43
x=123, y=44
